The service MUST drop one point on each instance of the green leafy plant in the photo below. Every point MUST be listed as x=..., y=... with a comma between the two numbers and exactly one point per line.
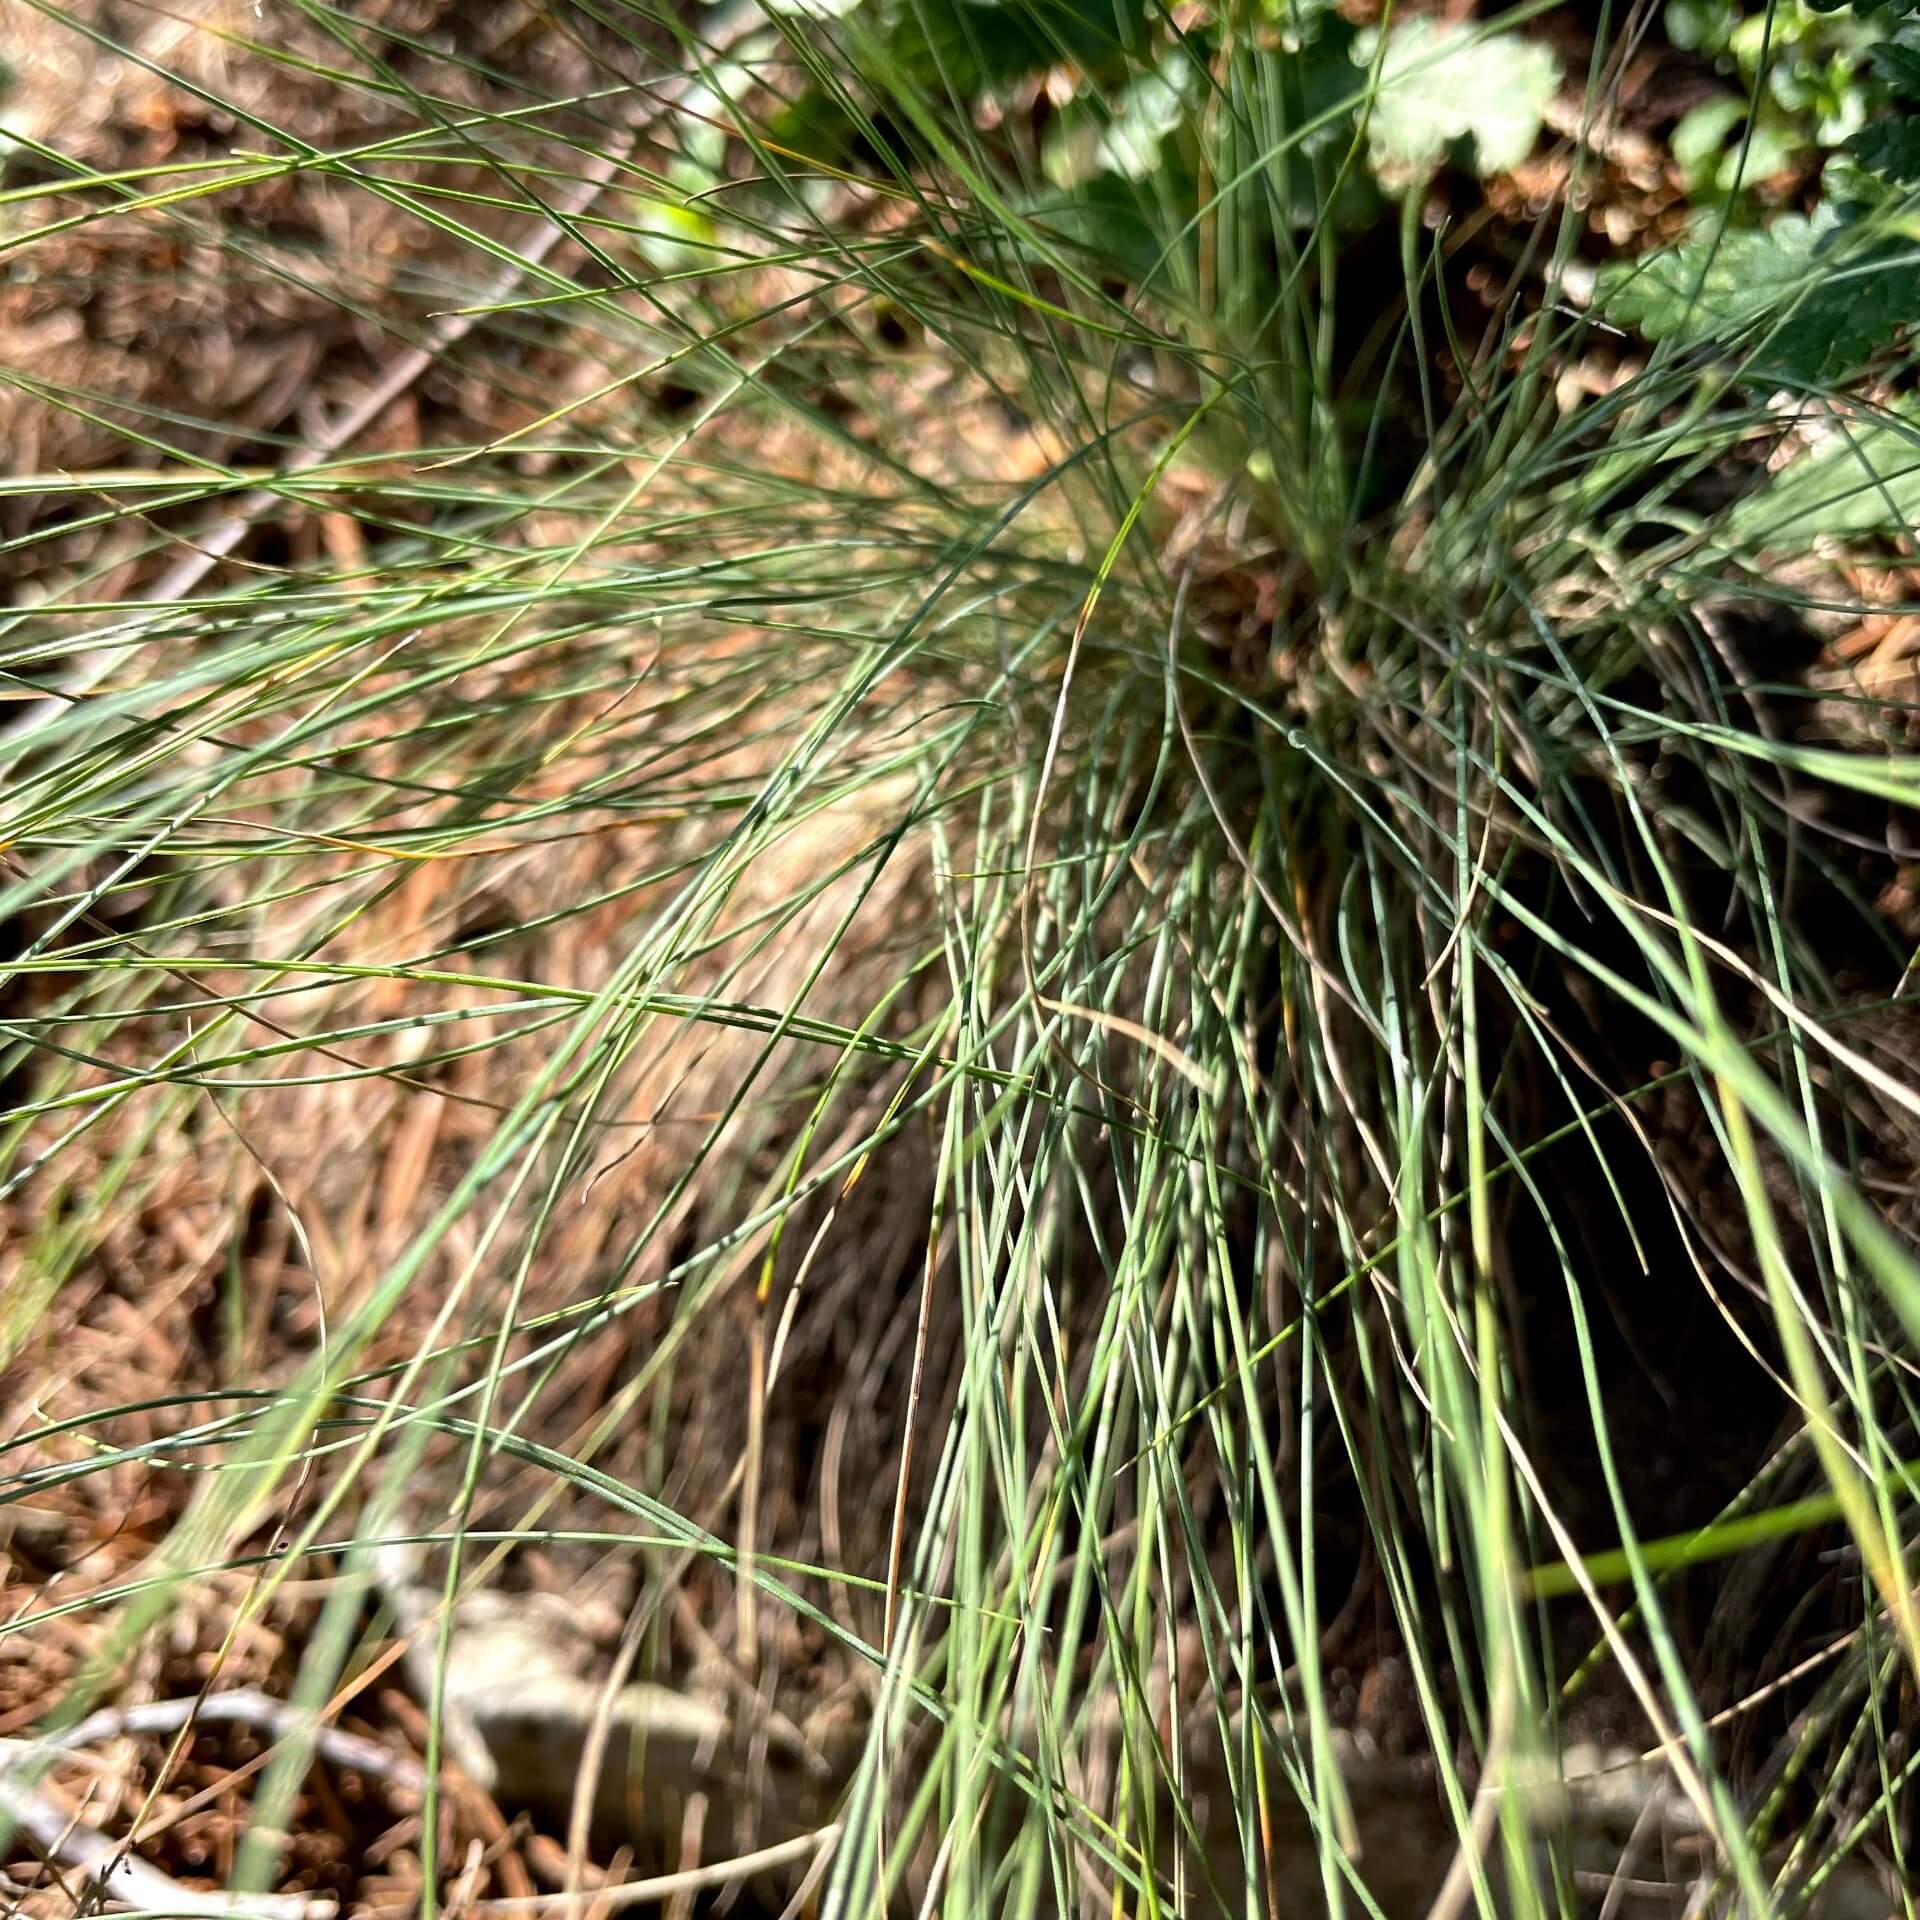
x=1806, y=85
x=1815, y=298
x=1808, y=299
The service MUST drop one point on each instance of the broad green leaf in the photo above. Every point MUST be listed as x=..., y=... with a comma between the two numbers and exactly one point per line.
x=1699, y=142
x=1708, y=287
x=1897, y=66
x=1890, y=148
x=1865, y=479
x=1439, y=85
x=1806, y=309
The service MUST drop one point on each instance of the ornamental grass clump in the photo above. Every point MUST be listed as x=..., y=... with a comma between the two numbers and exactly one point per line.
x=1036, y=854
